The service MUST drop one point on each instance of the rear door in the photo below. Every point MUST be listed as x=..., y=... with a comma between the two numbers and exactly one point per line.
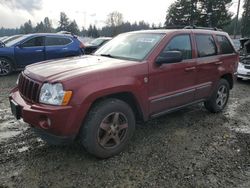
x=30, y=51
x=173, y=85
x=208, y=63
x=57, y=47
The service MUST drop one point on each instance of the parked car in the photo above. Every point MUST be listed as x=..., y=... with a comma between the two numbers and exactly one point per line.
x=33, y=48
x=236, y=43
x=95, y=44
x=243, y=71
x=136, y=76
x=11, y=38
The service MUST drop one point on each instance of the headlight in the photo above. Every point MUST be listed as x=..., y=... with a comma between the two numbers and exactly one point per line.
x=54, y=94
x=240, y=65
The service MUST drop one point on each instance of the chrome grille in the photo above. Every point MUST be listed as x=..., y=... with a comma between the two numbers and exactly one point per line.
x=28, y=88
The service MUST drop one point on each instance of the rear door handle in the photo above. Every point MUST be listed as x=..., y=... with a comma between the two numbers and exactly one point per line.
x=39, y=50
x=190, y=69
x=218, y=63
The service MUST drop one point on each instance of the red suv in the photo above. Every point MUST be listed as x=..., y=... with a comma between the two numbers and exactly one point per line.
x=136, y=76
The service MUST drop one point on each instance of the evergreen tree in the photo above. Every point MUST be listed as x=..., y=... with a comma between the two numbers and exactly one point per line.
x=246, y=19
x=63, y=22
x=204, y=13
x=26, y=28
x=73, y=28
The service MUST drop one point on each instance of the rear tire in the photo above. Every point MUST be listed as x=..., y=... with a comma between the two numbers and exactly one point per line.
x=219, y=98
x=108, y=128
x=5, y=67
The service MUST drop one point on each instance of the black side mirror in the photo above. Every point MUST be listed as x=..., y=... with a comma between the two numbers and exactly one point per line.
x=20, y=46
x=169, y=57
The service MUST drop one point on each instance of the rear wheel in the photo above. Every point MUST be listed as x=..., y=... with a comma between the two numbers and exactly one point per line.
x=108, y=127
x=5, y=67
x=219, y=98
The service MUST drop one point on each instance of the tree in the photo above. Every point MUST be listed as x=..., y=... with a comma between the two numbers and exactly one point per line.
x=73, y=28
x=183, y=13
x=26, y=28
x=213, y=13
x=246, y=19
x=114, y=19
x=63, y=22
x=40, y=28
x=48, y=28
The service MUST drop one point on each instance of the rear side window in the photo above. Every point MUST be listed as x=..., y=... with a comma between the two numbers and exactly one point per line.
x=225, y=45
x=205, y=45
x=180, y=43
x=34, y=42
x=57, y=41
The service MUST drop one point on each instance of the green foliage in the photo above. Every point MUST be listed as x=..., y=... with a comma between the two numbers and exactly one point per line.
x=204, y=13
x=26, y=28
x=246, y=19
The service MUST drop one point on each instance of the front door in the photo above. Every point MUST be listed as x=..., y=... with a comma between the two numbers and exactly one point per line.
x=172, y=85
x=30, y=51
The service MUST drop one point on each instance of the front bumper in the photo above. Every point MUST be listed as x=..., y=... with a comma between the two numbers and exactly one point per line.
x=243, y=71
x=58, y=123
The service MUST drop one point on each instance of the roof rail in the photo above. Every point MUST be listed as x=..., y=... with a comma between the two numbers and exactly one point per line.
x=205, y=28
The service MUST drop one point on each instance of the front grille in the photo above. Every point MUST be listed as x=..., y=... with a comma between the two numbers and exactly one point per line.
x=247, y=67
x=28, y=88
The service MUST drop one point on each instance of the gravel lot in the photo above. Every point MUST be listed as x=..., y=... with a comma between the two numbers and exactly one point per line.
x=188, y=148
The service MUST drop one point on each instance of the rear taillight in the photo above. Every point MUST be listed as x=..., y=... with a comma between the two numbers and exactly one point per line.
x=82, y=45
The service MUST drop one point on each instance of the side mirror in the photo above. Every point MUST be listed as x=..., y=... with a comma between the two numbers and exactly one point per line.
x=169, y=57
x=19, y=45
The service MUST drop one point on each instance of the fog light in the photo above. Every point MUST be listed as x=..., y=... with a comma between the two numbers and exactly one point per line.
x=45, y=122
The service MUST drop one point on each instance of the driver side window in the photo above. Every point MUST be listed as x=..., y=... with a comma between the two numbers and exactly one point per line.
x=180, y=43
x=36, y=41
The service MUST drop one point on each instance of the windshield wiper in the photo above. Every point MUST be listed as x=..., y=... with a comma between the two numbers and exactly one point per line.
x=107, y=55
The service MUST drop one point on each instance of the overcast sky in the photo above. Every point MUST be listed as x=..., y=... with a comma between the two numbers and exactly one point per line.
x=13, y=13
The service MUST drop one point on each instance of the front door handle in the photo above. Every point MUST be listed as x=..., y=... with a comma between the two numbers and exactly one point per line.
x=190, y=69
x=39, y=50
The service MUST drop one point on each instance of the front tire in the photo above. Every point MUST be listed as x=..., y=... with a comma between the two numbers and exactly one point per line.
x=5, y=67
x=108, y=128
x=219, y=98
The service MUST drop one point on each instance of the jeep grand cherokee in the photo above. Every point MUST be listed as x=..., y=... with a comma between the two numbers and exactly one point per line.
x=136, y=76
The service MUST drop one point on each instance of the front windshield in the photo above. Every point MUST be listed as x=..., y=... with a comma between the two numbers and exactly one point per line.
x=11, y=43
x=96, y=42
x=134, y=46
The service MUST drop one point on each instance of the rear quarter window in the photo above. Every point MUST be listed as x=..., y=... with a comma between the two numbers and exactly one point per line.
x=225, y=45
x=205, y=45
x=57, y=41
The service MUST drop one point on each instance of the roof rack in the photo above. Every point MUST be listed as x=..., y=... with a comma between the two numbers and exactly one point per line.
x=205, y=28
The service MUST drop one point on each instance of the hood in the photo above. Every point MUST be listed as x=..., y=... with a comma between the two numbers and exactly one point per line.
x=63, y=69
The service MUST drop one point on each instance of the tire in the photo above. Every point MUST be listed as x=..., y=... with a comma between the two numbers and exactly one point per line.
x=108, y=128
x=219, y=98
x=5, y=67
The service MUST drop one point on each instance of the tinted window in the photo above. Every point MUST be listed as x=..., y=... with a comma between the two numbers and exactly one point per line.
x=225, y=45
x=180, y=43
x=57, y=41
x=36, y=41
x=205, y=45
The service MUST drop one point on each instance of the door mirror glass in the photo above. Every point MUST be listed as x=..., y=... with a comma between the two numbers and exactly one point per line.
x=169, y=57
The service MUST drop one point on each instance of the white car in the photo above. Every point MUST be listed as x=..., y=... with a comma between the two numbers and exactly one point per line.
x=243, y=70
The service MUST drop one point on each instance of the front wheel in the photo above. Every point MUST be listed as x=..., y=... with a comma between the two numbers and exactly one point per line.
x=5, y=67
x=108, y=127
x=219, y=98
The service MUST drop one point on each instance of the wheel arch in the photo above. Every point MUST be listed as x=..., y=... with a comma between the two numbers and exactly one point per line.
x=229, y=78
x=128, y=98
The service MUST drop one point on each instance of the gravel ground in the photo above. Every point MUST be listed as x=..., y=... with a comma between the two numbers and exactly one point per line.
x=188, y=148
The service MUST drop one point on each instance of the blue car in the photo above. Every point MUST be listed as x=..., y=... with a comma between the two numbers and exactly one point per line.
x=33, y=48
